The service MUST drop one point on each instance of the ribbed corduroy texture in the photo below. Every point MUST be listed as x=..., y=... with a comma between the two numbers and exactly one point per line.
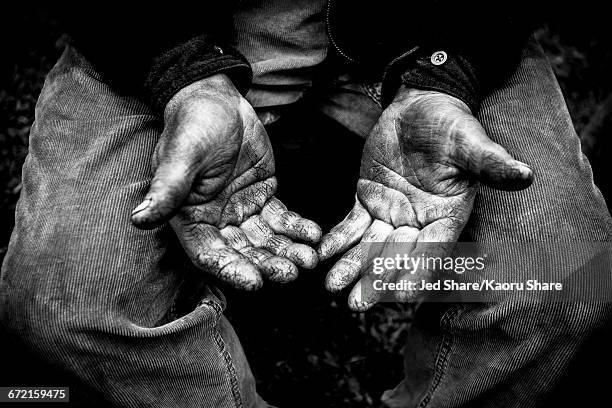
x=88, y=291
x=511, y=354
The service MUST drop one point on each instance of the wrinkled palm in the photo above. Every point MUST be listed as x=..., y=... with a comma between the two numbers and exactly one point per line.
x=418, y=172
x=214, y=175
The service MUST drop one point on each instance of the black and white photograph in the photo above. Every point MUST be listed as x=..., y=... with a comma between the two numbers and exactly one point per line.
x=305, y=203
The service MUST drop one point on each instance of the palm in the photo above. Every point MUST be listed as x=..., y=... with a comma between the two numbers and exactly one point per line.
x=239, y=183
x=214, y=179
x=407, y=179
x=232, y=225
x=416, y=187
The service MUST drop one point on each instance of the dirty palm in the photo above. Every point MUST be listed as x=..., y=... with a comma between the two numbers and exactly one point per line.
x=418, y=171
x=214, y=179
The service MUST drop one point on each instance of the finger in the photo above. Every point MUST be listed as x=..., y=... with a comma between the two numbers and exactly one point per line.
x=366, y=293
x=345, y=234
x=288, y=223
x=210, y=252
x=302, y=255
x=262, y=236
x=274, y=268
x=435, y=242
x=420, y=274
x=488, y=162
x=257, y=230
x=169, y=188
x=360, y=300
x=235, y=237
x=350, y=266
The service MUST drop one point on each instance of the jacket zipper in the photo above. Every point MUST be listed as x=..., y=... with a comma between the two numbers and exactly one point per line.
x=332, y=40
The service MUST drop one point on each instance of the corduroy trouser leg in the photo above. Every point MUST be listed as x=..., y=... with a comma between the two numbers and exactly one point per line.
x=508, y=353
x=88, y=291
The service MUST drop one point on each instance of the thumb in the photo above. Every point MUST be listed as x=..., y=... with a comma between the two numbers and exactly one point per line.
x=169, y=188
x=488, y=162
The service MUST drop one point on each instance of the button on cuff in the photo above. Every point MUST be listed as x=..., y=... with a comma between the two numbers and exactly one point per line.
x=438, y=58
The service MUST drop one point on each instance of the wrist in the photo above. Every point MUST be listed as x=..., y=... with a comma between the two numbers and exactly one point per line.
x=413, y=98
x=218, y=87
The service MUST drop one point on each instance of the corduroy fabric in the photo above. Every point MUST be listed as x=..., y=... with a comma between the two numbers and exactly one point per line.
x=85, y=289
x=88, y=291
x=509, y=353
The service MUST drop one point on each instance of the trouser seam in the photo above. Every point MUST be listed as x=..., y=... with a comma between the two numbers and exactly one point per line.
x=442, y=357
x=229, y=363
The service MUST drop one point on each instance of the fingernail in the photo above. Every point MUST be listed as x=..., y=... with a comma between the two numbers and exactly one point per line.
x=315, y=234
x=525, y=169
x=142, y=206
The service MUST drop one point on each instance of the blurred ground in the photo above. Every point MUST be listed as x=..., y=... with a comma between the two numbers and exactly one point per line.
x=306, y=348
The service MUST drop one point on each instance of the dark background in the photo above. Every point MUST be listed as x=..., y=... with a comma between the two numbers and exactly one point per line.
x=305, y=347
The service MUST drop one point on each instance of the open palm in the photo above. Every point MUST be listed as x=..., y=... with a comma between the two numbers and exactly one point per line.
x=418, y=172
x=214, y=179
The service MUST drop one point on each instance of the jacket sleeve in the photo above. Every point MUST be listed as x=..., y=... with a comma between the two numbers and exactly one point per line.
x=463, y=49
x=152, y=51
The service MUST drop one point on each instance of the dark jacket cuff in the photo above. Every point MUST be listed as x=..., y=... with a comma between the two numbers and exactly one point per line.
x=442, y=71
x=191, y=61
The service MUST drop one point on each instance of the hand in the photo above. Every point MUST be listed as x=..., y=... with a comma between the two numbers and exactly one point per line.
x=214, y=180
x=418, y=172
